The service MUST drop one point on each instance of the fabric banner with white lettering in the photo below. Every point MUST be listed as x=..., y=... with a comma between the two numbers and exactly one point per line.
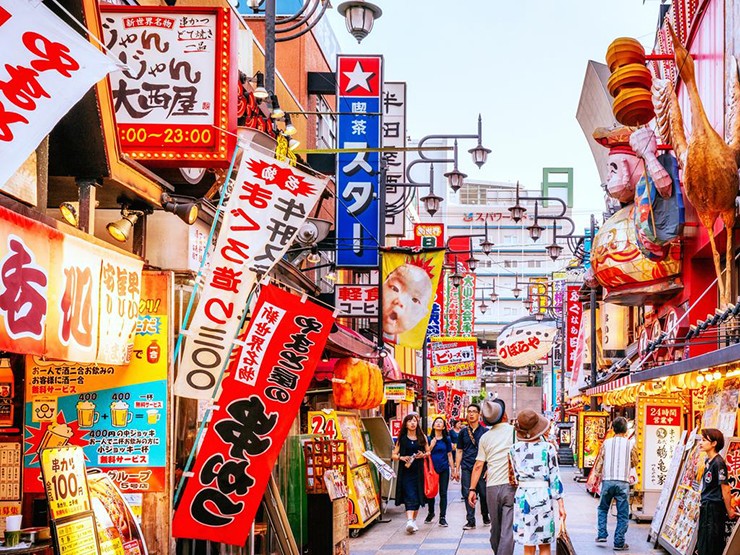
x=47, y=68
x=270, y=202
x=258, y=403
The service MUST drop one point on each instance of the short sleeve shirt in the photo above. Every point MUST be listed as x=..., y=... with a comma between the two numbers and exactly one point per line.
x=469, y=449
x=494, y=451
x=715, y=474
x=441, y=448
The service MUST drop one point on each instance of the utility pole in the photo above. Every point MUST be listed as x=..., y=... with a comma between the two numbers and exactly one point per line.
x=592, y=304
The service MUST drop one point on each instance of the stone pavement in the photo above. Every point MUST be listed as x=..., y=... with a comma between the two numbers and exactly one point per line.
x=431, y=539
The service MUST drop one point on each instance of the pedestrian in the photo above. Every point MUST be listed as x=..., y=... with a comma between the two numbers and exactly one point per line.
x=493, y=453
x=716, y=498
x=535, y=463
x=455, y=425
x=411, y=447
x=440, y=447
x=619, y=457
x=467, y=452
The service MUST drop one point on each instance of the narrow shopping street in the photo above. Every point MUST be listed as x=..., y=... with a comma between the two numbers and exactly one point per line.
x=431, y=539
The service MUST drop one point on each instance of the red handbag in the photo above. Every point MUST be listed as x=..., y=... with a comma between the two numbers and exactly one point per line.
x=431, y=479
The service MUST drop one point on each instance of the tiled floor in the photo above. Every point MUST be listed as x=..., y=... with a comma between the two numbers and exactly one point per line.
x=391, y=538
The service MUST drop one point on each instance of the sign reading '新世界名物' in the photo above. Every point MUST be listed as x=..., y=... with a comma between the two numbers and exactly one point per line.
x=359, y=80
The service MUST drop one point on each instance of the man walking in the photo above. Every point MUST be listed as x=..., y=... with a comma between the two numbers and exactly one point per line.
x=467, y=451
x=618, y=459
x=493, y=451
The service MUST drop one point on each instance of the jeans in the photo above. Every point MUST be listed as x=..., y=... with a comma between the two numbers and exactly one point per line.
x=444, y=481
x=614, y=489
x=501, y=504
x=480, y=490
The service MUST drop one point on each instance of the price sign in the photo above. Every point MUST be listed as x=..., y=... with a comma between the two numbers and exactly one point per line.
x=323, y=424
x=77, y=536
x=63, y=470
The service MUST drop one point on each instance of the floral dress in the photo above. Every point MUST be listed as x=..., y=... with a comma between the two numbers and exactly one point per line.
x=536, y=467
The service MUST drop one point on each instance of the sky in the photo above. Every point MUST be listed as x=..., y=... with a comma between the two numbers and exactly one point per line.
x=520, y=64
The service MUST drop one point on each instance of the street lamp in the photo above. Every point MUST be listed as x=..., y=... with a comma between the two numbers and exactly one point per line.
x=516, y=291
x=455, y=178
x=535, y=230
x=359, y=17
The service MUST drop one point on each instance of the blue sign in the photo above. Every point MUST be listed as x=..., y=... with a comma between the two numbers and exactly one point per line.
x=359, y=84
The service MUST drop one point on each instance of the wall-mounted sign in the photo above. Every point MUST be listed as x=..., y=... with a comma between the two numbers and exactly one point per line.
x=453, y=358
x=359, y=80
x=429, y=235
x=394, y=134
x=356, y=300
x=175, y=104
x=395, y=391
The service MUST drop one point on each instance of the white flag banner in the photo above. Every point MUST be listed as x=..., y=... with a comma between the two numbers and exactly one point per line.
x=45, y=68
x=268, y=205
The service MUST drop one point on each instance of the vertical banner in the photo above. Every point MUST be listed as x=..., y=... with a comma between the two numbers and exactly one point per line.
x=48, y=67
x=270, y=202
x=409, y=283
x=359, y=80
x=572, y=318
x=258, y=403
x=394, y=134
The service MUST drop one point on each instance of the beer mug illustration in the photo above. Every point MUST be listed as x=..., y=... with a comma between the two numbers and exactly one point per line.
x=56, y=435
x=152, y=416
x=86, y=414
x=119, y=414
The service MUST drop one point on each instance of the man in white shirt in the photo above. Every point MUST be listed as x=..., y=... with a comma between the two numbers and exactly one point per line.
x=493, y=450
x=619, y=457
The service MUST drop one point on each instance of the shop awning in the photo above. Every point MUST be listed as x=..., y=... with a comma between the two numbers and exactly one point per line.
x=719, y=357
x=611, y=386
x=350, y=343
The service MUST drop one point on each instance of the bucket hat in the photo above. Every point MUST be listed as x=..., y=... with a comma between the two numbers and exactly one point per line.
x=530, y=425
x=492, y=411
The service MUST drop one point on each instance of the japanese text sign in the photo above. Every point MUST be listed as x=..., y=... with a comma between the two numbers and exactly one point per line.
x=409, y=284
x=395, y=391
x=572, y=317
x=270, y=202
x=359, y=80
x=256, y=408
x=46, y=68
x=394, y=134
x=356, y=300
x=65, y=481
x=62, y=297
x=175, y=103
x=525, y=341
x=453, y=358
x=659, y=434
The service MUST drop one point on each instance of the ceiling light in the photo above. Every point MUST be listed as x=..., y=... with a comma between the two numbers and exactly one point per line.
x=70, y=212
x=185, y=208
x=359, y=16
x=121, y=229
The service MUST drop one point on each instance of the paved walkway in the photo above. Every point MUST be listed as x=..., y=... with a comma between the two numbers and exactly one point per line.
x=431, y=539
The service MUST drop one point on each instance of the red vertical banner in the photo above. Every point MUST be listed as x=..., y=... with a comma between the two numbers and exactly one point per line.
x=573, y=321
x=259, y=401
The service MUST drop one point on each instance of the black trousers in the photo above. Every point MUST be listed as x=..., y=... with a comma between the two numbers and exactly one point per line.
x=712, y=519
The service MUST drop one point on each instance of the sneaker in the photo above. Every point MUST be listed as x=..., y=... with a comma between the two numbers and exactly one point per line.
x=429, y=518
x=469, y=526
x=410, y=527
x=487, y=521
x=624, y=547
x=416, y=528
x=600, y=540
x=443, y=522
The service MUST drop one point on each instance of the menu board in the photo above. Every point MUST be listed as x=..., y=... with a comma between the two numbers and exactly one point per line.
x=10, y=471
x=363, y=501
x=658, y=431
x=670, y=482
x=678, y=532
x=720, y=409
x=116, y=414
x=592, y=430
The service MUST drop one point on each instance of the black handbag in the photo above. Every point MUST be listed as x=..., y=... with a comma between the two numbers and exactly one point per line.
x=563, y=545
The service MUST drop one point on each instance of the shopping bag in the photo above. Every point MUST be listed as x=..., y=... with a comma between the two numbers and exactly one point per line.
x=431, y=479
x=563, y=545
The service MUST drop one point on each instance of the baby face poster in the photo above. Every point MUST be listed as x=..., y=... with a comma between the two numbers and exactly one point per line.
x=409, y=283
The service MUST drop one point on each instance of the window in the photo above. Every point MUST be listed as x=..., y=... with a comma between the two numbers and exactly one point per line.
x=509, y=239
x=511, y=263
x=534, y=263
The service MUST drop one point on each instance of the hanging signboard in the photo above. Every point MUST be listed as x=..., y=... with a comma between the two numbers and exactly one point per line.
x=525, y=341
x=453, y=358
x=48, y=67
x=356, y=300
x=394, y=135
x=395, y=391
x=658, y=432
x=117, y=415
x=175, y=105
x=259, y=400
x=270, y=203
x=359, y=84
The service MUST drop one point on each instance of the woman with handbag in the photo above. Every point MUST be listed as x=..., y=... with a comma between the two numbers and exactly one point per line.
x=535, y=463
x=411, y=447
x=440, y=448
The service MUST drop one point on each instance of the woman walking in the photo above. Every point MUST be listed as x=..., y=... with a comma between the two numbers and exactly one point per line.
x=440, y=448
x=410, y=449
x=716, y=499
x=536, y=468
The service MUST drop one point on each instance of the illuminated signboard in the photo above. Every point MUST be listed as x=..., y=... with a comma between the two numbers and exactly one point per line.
x=175, y=103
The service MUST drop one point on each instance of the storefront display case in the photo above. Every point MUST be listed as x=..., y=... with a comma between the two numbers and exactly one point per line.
x=364, y=500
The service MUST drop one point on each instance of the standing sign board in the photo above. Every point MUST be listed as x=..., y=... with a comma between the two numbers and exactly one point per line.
x=658, y=432
x=176, y=104
x=70, y=509
x=667, y=491
x=359, y=84
x=394, y=135
x=592, y=428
